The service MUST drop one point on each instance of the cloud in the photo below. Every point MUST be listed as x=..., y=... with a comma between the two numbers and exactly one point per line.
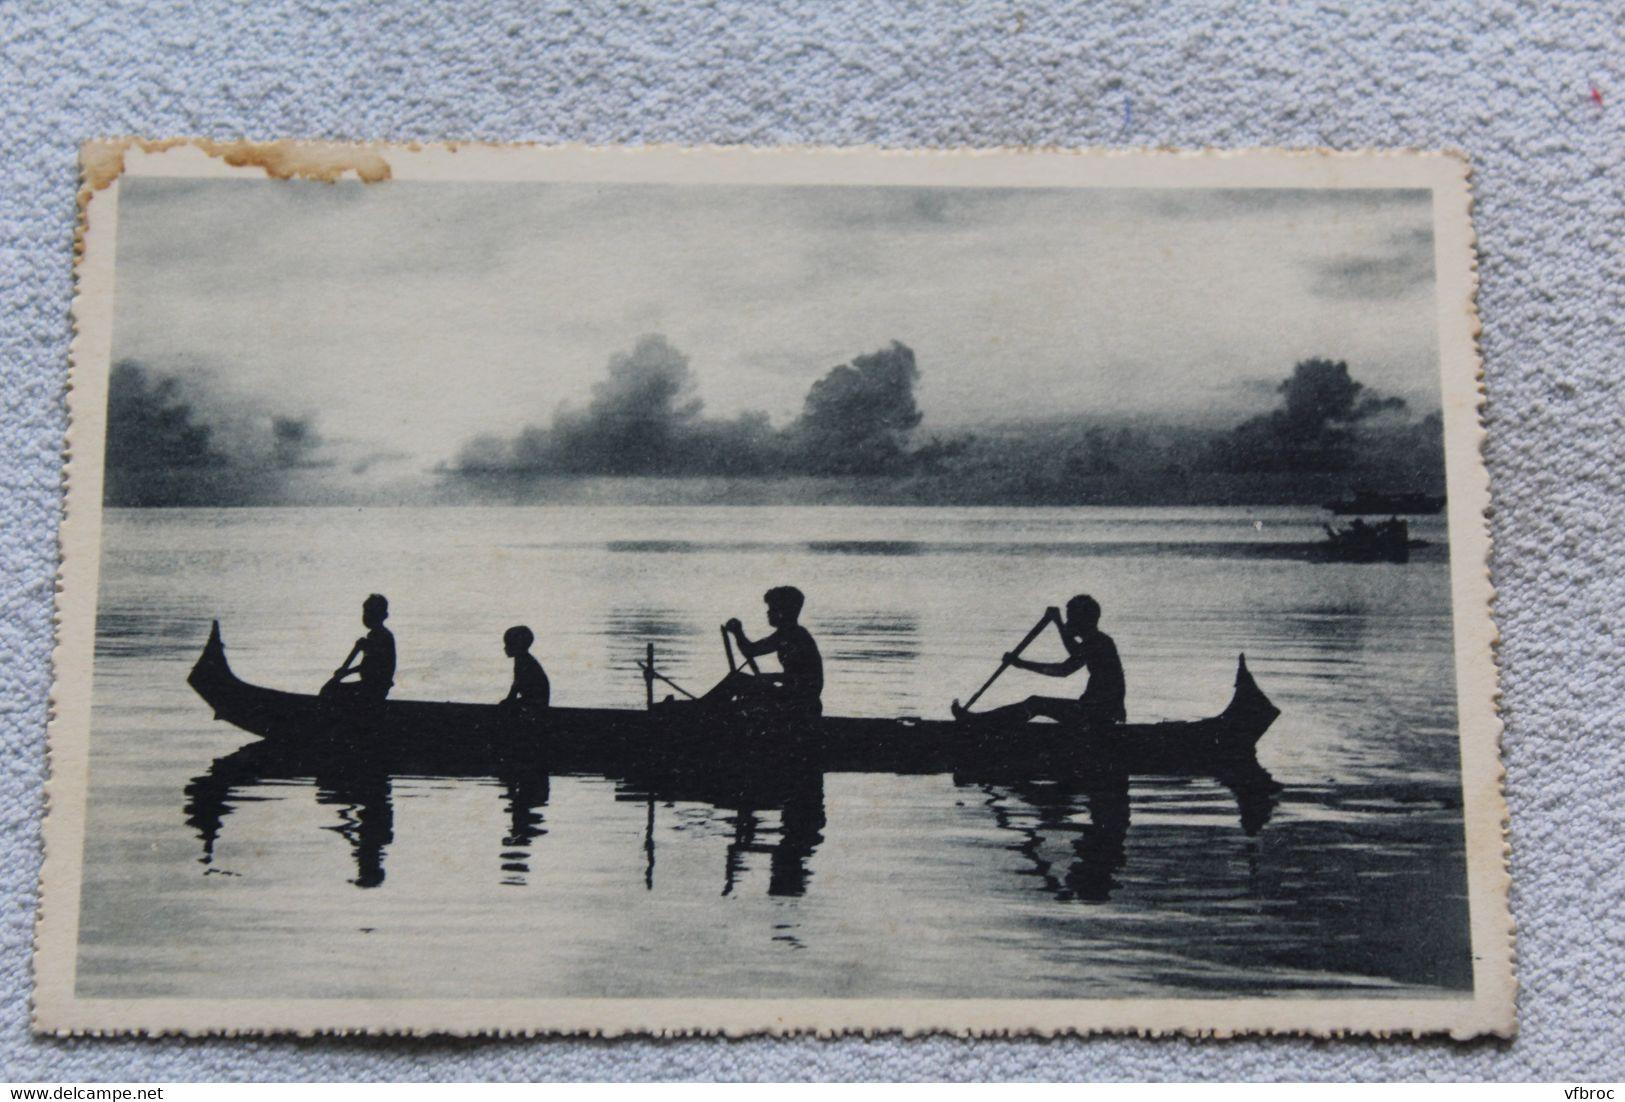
x=644, y=419
x=363, y=302
x=175, y=440
x=151, y=425
x=1244, y=202
x=373, y=459
x=1404, y=266
x=1313, y=428
x=294, y=440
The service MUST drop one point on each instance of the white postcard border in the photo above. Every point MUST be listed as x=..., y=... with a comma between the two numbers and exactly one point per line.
x=1490, y=1008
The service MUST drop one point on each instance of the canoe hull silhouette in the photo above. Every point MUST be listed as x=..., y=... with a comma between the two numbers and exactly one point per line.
x=430, y=737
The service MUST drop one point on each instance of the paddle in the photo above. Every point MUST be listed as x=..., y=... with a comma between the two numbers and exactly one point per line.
x=654, y=675
x=728, y=646
x=1043, y=622
x=727, y=643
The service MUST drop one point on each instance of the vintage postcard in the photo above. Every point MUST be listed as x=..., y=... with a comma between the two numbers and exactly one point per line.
x=535, y=590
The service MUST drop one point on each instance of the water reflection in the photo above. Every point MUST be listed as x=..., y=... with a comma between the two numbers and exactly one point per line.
x=1051, y=808
x=366, y=818
x=867, y=547
x=884, y=637
x=524, y=794
x=361, y=793
x=801, y=826
x=772, y=812
x=752, y=796
x=628, y=630
x=643, y=624
x=653, y=546
x=1308, y=550
x=140, y=635
x=1089, y=814
x=1372, y=887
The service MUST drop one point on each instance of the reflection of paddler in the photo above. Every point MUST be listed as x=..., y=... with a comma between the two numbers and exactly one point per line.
x=801, y=826
x=526, y=793
x=1087, y=647
x=366, y=814
x=799, y=685
x=1098, y=852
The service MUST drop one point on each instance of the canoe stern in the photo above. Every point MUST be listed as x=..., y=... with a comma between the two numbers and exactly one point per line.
x=211, y=673
x=1250, y=713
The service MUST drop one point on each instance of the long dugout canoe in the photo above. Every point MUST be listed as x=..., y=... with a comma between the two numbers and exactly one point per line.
x=430, y=737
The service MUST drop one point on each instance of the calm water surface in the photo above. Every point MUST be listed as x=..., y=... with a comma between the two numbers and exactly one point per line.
x=865, y=885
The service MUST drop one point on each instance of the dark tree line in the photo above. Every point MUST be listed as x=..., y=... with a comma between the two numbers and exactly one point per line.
x=1314, y=427
x=170, y=441
x=860, y=418
x=645, y=419
x=166, y=447
x=150, y=425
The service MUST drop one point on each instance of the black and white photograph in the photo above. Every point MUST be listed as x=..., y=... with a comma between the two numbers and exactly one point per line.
x=663, y=590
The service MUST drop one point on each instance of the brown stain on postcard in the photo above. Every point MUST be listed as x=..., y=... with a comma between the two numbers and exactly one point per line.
x=103, y=161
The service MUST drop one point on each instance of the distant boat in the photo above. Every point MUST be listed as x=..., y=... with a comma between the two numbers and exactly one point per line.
x=1387, y=541
x=1372, y=503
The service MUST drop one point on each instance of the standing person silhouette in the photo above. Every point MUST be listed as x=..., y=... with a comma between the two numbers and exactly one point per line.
x=375, y=672
x=531, y=691
x=1087, y=647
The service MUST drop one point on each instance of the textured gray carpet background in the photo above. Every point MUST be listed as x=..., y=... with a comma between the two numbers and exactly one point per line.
x=1511, y=84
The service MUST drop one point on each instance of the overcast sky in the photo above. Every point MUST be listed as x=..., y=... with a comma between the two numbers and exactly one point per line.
x=410, y=316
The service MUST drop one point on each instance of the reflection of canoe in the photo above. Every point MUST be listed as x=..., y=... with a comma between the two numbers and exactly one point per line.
x=432, y=738
x=1088, y=807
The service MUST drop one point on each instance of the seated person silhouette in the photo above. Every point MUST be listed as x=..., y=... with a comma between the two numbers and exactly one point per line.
x=531, y=691
x=375, y=672
x=799, y=685
x=1087, y=647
